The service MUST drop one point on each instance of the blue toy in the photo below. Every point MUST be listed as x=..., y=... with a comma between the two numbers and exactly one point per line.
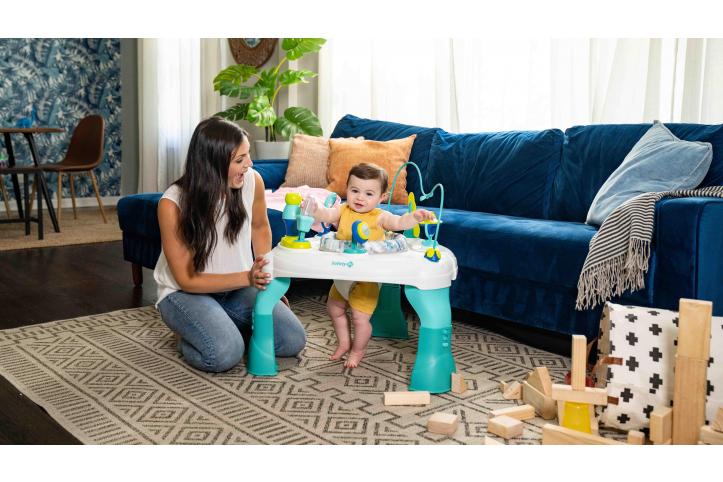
x=431, y=228
x=359, y=236
x=328, y=202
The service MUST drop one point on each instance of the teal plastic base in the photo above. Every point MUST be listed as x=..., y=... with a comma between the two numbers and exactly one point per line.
x=434, y=365
x=262, y=355
x=388, y=319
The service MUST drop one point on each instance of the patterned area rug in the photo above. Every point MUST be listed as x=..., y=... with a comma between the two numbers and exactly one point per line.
x=116, y=378
x=88, y=228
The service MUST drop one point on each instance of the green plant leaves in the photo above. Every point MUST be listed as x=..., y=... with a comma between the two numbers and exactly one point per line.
x=298, y=47
x=235, y=113
x=228, y=81
x=290, y=77
x=298, y=120
x=261, y=112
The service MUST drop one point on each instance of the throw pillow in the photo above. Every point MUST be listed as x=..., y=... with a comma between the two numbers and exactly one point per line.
x=642, y=342
x=659, y=161
x=389, y=155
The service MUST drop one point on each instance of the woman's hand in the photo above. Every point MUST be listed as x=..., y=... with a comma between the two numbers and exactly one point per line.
x=257, y=278
x=423, y=215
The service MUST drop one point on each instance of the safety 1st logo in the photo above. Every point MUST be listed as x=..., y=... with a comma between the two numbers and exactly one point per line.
x=347, y=264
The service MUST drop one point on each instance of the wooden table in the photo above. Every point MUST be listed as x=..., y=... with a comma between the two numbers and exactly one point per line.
x=28, y=133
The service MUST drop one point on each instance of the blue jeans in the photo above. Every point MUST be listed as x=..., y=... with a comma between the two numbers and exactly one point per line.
x=211, y=327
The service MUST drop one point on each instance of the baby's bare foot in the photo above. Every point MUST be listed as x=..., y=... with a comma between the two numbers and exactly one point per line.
x=341, y=350
x=354, y=358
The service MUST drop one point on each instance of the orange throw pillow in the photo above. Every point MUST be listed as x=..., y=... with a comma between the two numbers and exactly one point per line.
x=390, y=155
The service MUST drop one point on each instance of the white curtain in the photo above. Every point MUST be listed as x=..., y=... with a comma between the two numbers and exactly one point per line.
x=468, y=85
x=170, y=107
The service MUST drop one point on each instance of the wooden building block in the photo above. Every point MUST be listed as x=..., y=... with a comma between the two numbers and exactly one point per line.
x=579, y=362
x=593, y=421
x=503, y=386
x=691, y=365
x=544, y=405
x=521, y=412
x=540, y=379
x=661, y=425
x=710, y=436
x=635, y=437
x=491, y=441
x=459, y=384
x=513, y=392
x=556, y=435
x=596, y=396
x=717, y=424
x=443, y=423
x=504, y=426
x=407, y=398
x=561, y=411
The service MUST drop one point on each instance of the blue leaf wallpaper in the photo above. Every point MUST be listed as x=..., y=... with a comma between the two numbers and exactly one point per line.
x=64, y=80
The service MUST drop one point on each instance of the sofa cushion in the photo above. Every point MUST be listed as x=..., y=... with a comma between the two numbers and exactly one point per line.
x=496, y=172
x=538, y=250
x=388, y=155
x=592, y=153
x=658, y=162
x=352, y=126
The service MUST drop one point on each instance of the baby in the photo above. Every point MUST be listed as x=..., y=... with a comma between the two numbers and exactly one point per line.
x=366, y=187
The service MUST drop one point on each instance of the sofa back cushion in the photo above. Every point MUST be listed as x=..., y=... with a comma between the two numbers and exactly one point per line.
x=591, y=154
x=376, y=130
x=496, y=172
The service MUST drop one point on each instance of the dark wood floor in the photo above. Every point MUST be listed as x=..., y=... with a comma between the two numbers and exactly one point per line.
x=39, y=285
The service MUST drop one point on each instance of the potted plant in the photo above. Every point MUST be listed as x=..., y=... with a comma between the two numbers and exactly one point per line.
x=258, y=100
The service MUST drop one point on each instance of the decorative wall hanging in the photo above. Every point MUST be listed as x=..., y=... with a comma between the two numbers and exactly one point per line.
x=252, y=51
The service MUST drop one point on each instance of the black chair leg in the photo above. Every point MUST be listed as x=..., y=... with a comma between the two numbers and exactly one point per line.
x=27, y=204
x=38, y=177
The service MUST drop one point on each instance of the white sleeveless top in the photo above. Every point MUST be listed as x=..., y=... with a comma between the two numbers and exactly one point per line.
x=225, y=257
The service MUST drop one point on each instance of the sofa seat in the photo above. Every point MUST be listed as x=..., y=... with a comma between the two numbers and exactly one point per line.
x=538, y=250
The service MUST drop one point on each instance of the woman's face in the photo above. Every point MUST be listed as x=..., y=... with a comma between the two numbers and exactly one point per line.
x=240, y=163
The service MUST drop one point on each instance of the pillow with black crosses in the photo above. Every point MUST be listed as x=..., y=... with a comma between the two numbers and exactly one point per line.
x=639, y=346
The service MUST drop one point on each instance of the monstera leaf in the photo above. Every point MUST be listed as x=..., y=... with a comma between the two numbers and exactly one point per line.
x=291, y=77
x=228, y=81
x=261, y=112
x=235, y=113
x=298, y=120
x=298, y=47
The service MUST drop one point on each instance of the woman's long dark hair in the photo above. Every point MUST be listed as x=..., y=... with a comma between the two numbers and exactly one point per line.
x=204, y=185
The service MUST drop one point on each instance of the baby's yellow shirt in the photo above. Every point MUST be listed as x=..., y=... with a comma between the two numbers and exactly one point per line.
x=347, y=218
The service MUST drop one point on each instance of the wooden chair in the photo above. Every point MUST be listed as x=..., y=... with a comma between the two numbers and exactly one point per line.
x=84, y=154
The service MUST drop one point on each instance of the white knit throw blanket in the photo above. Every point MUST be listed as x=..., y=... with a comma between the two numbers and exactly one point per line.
x=619, y=251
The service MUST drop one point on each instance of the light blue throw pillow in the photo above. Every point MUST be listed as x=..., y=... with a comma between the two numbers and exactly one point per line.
x=659, y=161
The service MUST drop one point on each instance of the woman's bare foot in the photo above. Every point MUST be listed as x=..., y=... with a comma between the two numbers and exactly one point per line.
x=354, y=358
x=341, y=350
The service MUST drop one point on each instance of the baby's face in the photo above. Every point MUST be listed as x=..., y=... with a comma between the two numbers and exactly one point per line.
x=363, y=195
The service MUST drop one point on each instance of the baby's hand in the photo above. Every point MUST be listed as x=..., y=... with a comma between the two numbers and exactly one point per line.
x=423, y=215
x=309, y=206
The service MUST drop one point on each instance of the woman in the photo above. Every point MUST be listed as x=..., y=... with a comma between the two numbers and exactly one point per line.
x=207, y=277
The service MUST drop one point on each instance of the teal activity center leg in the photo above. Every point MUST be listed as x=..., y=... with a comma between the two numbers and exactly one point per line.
x=434, y=365
x=262, y=358
x=388, y=320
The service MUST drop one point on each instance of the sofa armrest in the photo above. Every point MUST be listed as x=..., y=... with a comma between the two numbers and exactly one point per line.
x=272, y=171
x=688, y=245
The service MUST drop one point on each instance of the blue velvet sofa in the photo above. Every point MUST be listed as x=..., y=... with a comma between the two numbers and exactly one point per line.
x=514, y=212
